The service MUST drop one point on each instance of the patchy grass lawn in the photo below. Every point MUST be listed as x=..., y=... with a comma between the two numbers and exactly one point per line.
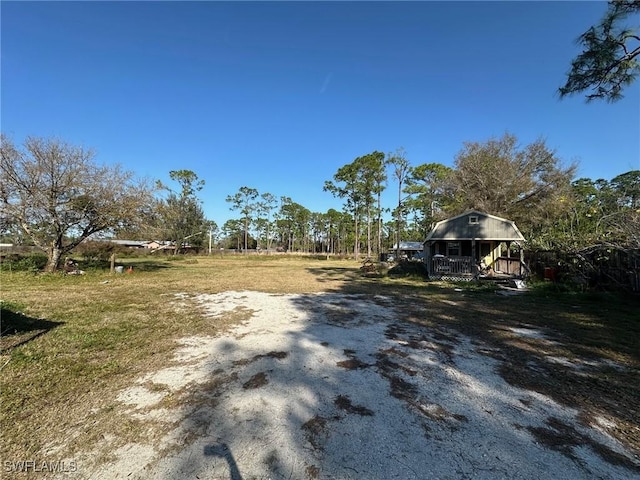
x=71, y=342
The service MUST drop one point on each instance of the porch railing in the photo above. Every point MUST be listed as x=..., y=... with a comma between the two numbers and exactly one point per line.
x=452, y=265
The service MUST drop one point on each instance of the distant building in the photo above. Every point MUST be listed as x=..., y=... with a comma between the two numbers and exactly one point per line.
x=407, y=250
x=128, y=243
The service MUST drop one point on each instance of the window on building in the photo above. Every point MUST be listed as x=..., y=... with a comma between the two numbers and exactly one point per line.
x=473, y=220
x=453, y=249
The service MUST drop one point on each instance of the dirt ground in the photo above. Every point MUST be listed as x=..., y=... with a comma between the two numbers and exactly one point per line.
x=334, y=386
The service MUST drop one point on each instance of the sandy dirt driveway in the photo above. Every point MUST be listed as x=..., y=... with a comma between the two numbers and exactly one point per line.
x=333, y=386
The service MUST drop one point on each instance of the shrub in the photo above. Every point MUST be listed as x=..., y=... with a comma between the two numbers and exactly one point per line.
x=33, y=262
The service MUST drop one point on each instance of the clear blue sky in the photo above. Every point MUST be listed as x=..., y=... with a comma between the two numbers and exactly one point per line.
x=278, y=95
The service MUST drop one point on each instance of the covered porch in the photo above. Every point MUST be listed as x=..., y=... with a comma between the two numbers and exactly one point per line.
x=476, y=260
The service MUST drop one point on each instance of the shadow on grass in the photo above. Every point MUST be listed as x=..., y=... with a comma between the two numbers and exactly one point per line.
x=18, y=329
x=150, y=265
x=403, y=285
x=331, y=273
x=145, y=265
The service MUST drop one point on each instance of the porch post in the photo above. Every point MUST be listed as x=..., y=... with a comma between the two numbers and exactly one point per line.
x=473, y=256
x=509, y=257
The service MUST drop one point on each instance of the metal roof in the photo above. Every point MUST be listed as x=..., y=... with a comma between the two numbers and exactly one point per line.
x=408, y=246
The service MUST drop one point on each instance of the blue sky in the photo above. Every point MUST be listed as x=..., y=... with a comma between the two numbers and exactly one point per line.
x=278, y=95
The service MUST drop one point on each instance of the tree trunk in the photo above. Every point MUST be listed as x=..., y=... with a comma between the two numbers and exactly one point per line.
x=398, y=220
x=246, y=234
x=268, y=242
x=54, y=254
x=356, y=246
x=369, y=231
x=379, y=225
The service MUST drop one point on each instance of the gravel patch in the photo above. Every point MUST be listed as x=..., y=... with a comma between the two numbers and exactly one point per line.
x=333, y=386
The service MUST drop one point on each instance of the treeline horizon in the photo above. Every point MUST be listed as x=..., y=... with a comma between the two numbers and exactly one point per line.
x=55, y=197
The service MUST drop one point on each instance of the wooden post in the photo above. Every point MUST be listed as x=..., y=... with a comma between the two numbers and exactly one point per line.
x=473, y=255
x=113, y=263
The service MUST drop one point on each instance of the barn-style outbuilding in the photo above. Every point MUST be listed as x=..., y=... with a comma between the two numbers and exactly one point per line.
x=472, y=245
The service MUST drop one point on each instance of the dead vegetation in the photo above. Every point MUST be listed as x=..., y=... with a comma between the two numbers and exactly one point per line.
x=560, y=436
x=247, y=361
x=315, y=430
x=344, y=403
x=352, y=363
x=256, y=381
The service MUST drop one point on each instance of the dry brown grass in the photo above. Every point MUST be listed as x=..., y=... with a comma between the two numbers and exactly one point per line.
x=89, y=336
x=94, y=334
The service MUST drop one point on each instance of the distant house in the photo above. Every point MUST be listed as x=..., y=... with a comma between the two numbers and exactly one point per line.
x=129, y=243
x=474, y=244
x=159, y=245
x=407, y=249
x=152, y=245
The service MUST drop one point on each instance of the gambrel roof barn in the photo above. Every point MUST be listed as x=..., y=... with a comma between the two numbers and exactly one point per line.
x=472, y=244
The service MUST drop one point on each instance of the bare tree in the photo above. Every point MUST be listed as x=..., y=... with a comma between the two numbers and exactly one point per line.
x=529, y=185
x=59, y=196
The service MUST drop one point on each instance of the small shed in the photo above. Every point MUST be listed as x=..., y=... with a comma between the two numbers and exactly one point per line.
x=472, y=245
